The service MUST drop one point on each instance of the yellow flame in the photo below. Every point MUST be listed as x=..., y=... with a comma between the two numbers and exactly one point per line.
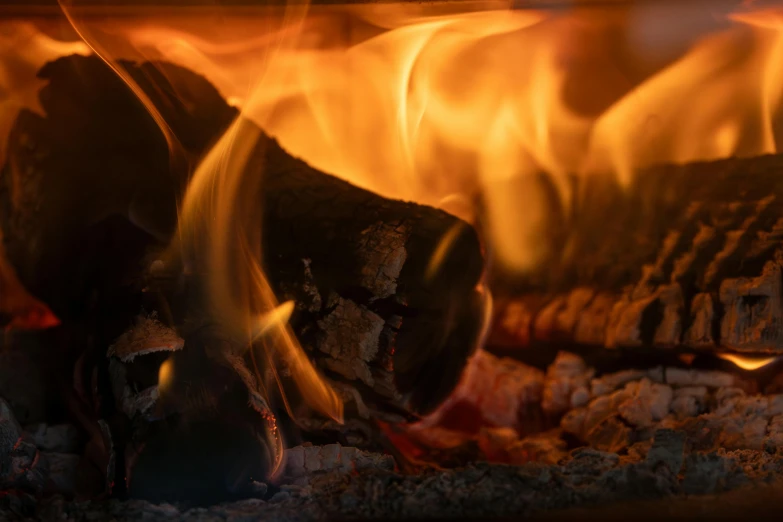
x=478, y=104
x=273, y=319
x=748, y=363
x=442, y=250
x=220, y=212
x=220, y=195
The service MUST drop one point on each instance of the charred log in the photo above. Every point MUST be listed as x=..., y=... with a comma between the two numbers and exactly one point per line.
x=690, y=255
x=89, y=196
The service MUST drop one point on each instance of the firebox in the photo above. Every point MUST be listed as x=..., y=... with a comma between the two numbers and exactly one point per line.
x=456, y=259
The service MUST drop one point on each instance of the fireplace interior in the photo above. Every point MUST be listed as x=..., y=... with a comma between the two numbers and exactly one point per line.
x=381, y=260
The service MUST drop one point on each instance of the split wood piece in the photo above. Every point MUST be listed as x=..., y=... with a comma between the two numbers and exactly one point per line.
x=355, y=263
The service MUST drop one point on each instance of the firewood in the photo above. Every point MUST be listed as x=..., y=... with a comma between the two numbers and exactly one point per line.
x=367, y=310
x=687, y=256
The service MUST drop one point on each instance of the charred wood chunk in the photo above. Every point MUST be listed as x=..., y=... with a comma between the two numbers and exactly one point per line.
x=371, y=313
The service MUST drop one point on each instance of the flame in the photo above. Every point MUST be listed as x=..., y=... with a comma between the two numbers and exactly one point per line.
x=748, y=363
x=165, y=374
x=273, y=319
x=215, y=220
x=499, y=108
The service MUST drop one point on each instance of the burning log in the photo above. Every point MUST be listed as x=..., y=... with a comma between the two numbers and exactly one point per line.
x=370, y=311
x=695, y=263
x=355, y=263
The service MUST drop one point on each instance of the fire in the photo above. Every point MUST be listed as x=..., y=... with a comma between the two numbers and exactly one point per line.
x=499, y=108
x=489, y=114
x=165, y=374
x=748, y=363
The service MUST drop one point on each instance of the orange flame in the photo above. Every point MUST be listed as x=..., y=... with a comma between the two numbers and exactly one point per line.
x=476, y=105
x=748, y=363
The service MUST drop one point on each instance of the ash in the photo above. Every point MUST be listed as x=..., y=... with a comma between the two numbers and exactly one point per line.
x=641, y=435
x=586, y=476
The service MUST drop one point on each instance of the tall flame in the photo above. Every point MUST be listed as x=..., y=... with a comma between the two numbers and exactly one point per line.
x=477, y=105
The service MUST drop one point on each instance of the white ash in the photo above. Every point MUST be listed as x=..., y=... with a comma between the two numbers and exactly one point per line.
x=480, y=491
x=350, y=339
x=148, y=335
x=608, y=383
x=383, y=254
x=60, y=438
x=705, y=404
x=130, y=401
x=25, y=466
x=566, y=385
x=62, y=469
x=301, y=463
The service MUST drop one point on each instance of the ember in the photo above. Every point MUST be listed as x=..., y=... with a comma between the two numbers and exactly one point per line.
x=301, y=262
